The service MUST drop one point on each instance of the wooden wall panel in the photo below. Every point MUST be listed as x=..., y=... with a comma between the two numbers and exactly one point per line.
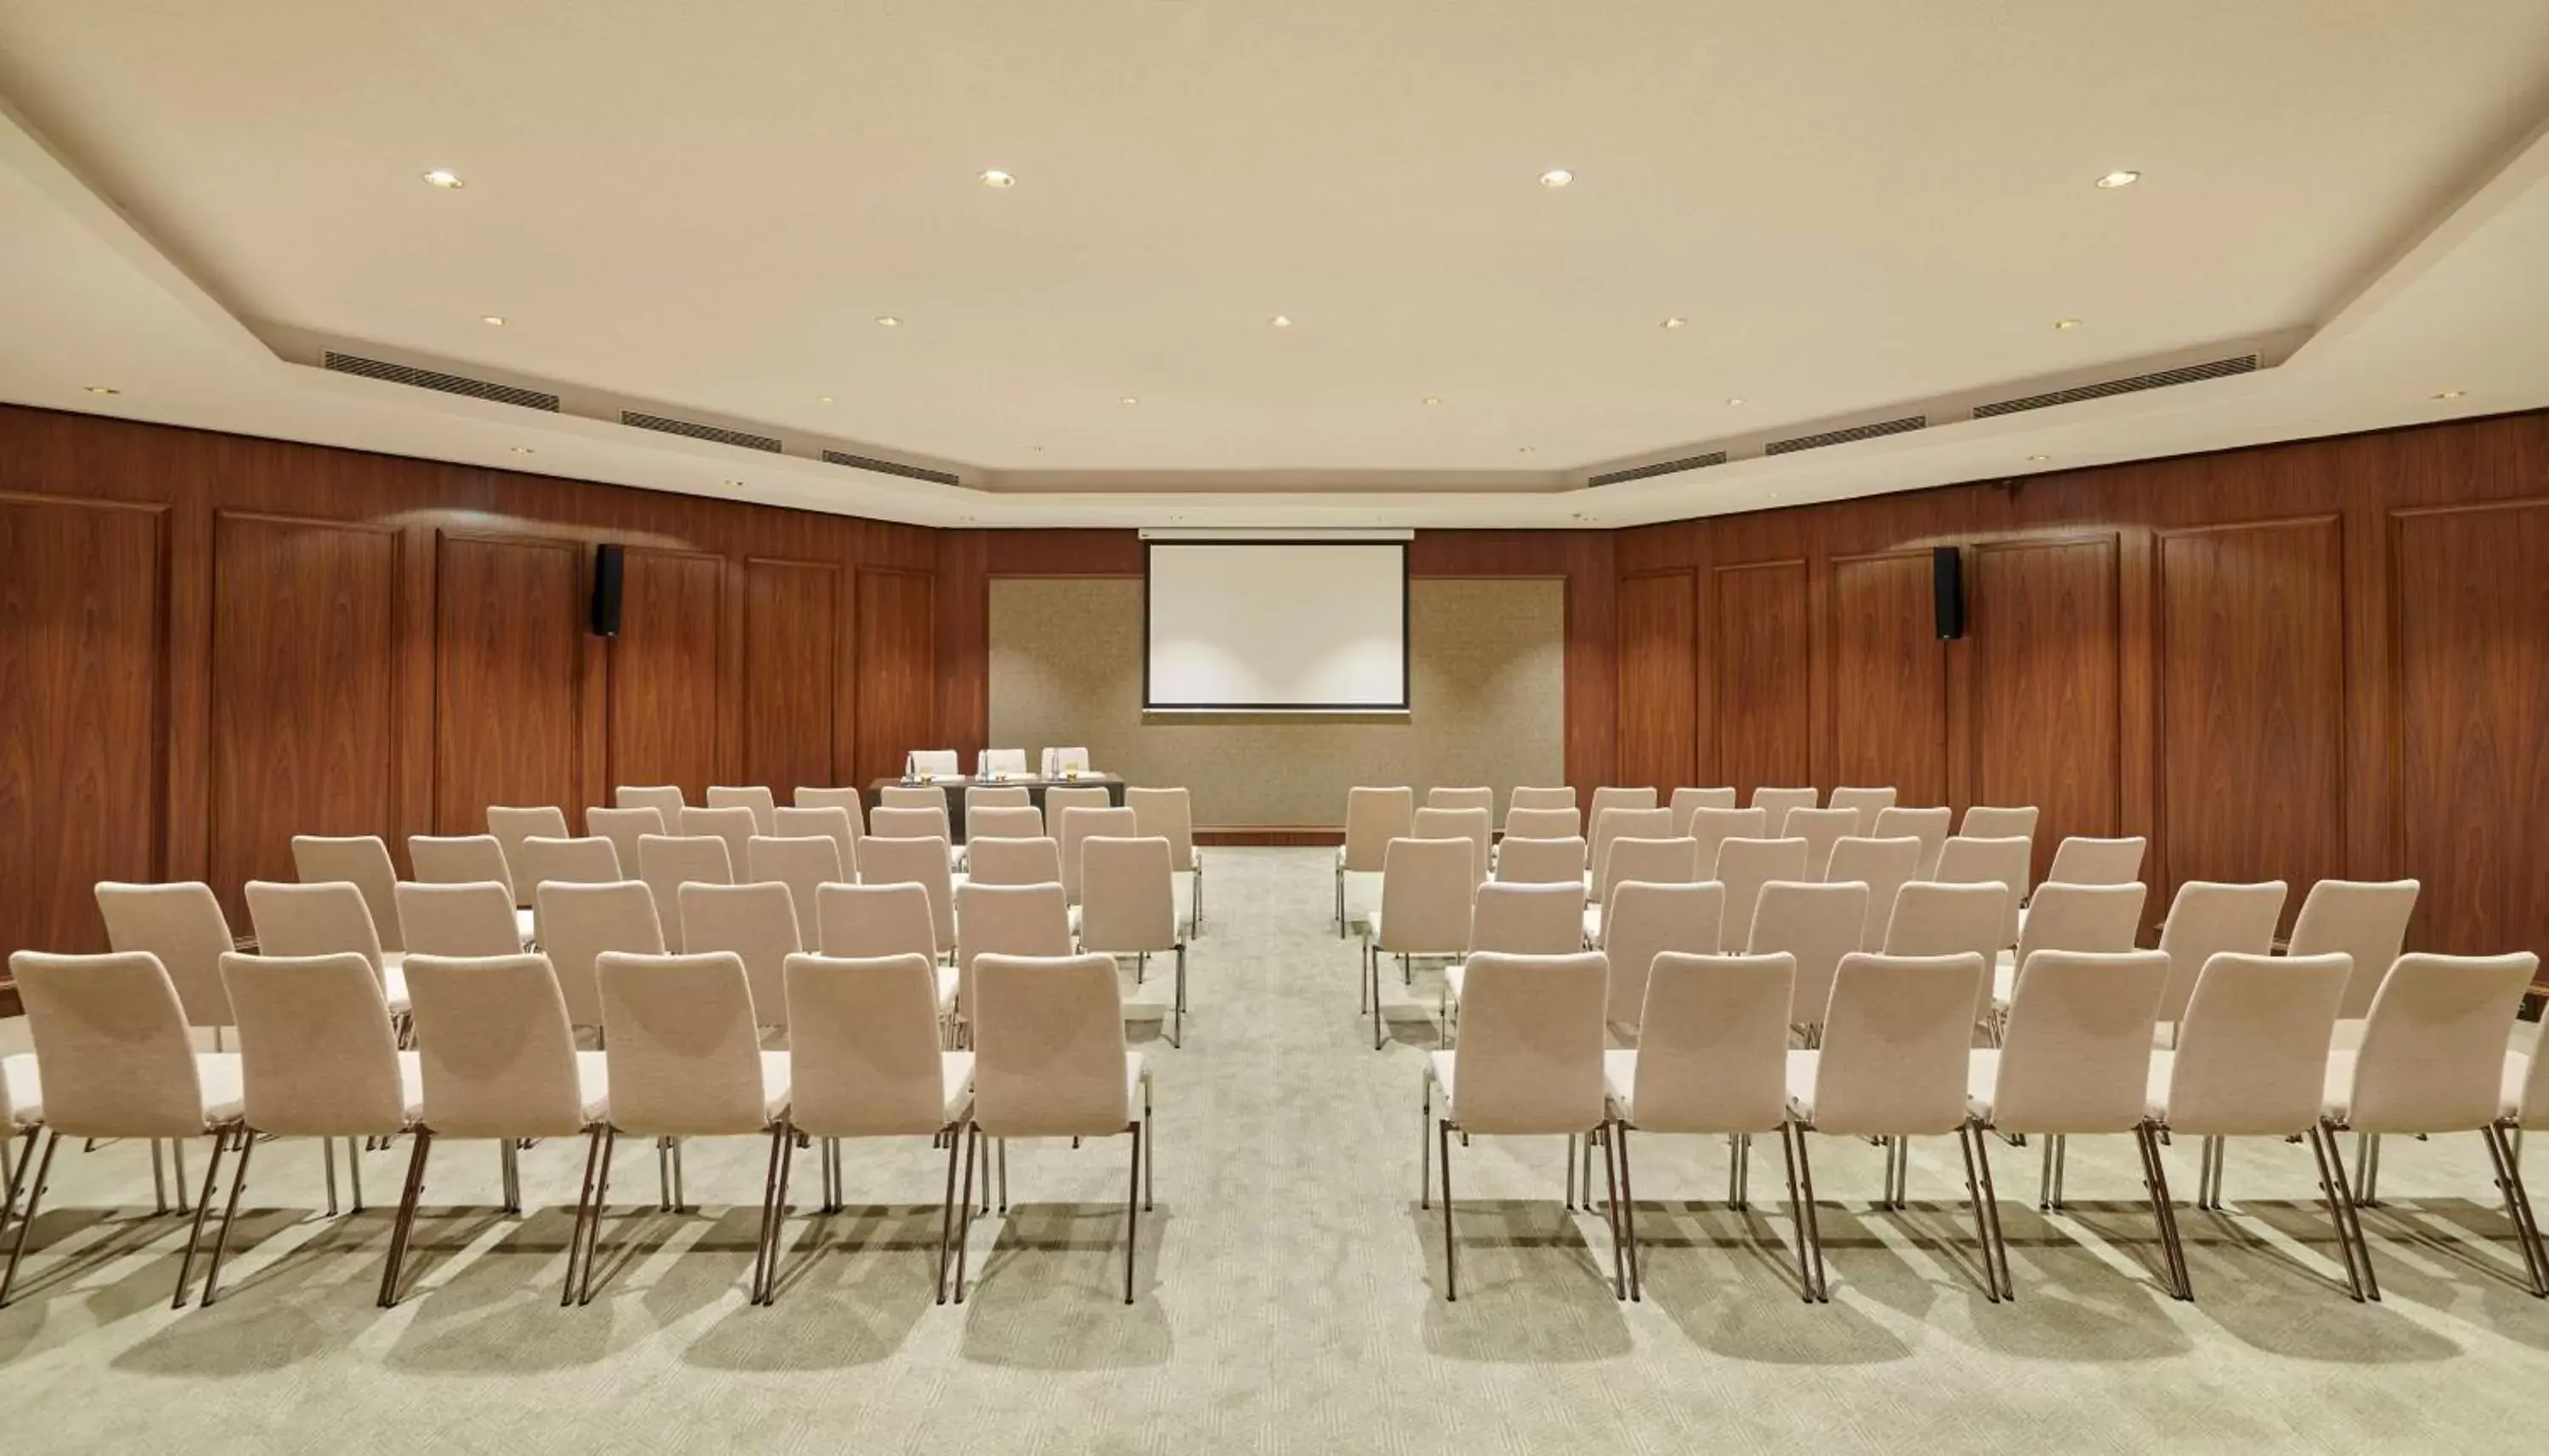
x=792, y=673
x=81, y=708
x=1889, y=677
x=1762, y=662
x=509, y=659
x=2043, y=616
x=2252, y=705
x=304, y=692
x=898, y=642
x=1658, y=652
x=665, y=686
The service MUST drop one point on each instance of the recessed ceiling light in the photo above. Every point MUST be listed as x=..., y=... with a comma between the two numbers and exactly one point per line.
x=737, y=484
x=1557, y=177
x=1526, y=449
x=1128, y=399
x=2065, y=325
x=103, y=389
x=2037, y=459
x=445, y=179
x=1734, y=400
x=2118, y=178
x=2445, y=394
x=1039, y=449
x=1676, y=323
x=524, y=450
x=888, y=321
x=1432, y=399
x=997, y=178
x=491, y=320
x=1280, y=321
x=823, y=399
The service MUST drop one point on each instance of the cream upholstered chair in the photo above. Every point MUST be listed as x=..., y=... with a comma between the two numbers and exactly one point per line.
x=1821, y=829
x=1439, y=797
x=1884, y=865
x=115, y=1061
x=1964, y=859
x=2365, y=919
x=2076, y=1060
x=1893, y=1065
x=1000, y=763
x=579, y=922
x=1540, y=860
x=1932, y=919
x=1169, y=814
x=1653, y=860
x=1080, y=824
x=1072, y=796
x=909, y=796
x=1984, y=821
x=1711, y=828
x=512, y=826
x=844, y=800
x=1128, y=906
x=684, y=1062
x=2524, y=1102
x=667, y=862
x=664, y=798
x=182, y=925
x=920, y=862
x=2096, y=917
x=754, y=796
x=463, y=858
x=1689, y=801
x=1426, y=886
x=865, y=1061
x=861, y=922
x=1647, y=921
x=1469, y=824
x=1062, y=763
x=832, y=822
x=2431, y=1062
x=1517, y=920
x=22, y=1113
x=757, y=923
x=1529, y=1064
x=1743, y=866
x=2082, y=859
x=1814, y=924
x=804, y=864
x=462, y=920
x=594, y=861
x=1013, y=861
x=316, y=1060
x=932, y=762
x=1541, y=824
x=1869, y=802
x=1776, y=802
x=359, y=859
x=998, y=795
x=2206, y=920
x=1005, y=920
x=1712, y=1057
x=1003, y=821
x=1613, y=796
x=300, y=921
x=736, y=825
x=1538, y=797
x=497, y=1059
x=1928, y=826
x=624, y=828
x=1373, y=817
x=2251, y=1061
x=1613, y=825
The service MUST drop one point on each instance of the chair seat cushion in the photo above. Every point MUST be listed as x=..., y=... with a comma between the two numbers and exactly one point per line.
x=394, y=985
x=26, y=1090
x=774, y=1084
x=1620, y=1082
x=1441, y=1068
x=2518, y=1070
x=2155, y=1091
x=1593, y=926
x=218, y=1072
x=2004, y=980
x=956, y=1079
x=1982, y=1077
x=1801, y=1084
x=593, y=1086
x=522, y=925
x=949, y=978
x=2348, y=1035
x=1453, y=976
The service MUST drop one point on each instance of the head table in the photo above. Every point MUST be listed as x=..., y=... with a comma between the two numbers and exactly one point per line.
x=957, y=784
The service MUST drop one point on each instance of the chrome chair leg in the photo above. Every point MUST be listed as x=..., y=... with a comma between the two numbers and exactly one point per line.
x=403, y=1228
x=583, y=1214
x=1982, y=1218
x=1133, y=1212
x=27, y=1221
x=1451, y=1250
x=245, y=1138
x=601, y=1205
x=2332, y=1183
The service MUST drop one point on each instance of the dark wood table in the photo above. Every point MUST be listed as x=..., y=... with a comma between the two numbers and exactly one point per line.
x=956, y=786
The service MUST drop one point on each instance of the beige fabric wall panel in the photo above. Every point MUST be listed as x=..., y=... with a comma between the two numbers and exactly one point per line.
x=1487, y=686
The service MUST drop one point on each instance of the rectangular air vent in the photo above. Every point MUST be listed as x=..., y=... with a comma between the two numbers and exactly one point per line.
x=890, y=467
x=699, y=432
x=427, y=379
x=1845, y=437
x=2157, y=379
x=1660, y=467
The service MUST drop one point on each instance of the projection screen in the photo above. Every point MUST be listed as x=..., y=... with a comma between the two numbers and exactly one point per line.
x=1275, y=627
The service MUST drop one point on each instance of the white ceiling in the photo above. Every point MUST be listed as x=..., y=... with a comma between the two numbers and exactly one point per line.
x=1861, y=207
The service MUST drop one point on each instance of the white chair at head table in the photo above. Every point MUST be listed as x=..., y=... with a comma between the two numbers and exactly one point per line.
x=932, y=762
x=1063, y=763
x=1000, y=763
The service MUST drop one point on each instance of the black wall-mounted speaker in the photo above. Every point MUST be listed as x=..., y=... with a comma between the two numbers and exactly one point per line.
x=607, y=567
x=1947, y=585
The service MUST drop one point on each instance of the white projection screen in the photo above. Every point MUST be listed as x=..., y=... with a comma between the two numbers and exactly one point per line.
x=1275, y=627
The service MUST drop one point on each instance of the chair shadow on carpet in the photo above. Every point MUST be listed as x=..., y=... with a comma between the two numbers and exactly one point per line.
x=1048, y=1292
x=1535, y=1288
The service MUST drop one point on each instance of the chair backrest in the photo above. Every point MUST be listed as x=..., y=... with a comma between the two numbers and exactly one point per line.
x=920, y=862
x=1743, y=866
x=299, y=921
x=1884, y=865
x=909, y=796
x=1711, y=828
x=754, y=796
x=1527, y=919
x=1713, y=1044
x=1375, y=817
x=1471, y=824
x=1062, y=798
x=1013, y=861
x=624, y=828
x=361, y=861
x=317, y=1056
x=1426, y=886
x=495, y=1047
x=1895, y=1044
x=733, y=824
x=804, y=864
x=1533, y=796
x=1055, y=763
x=2252, y=1044
x=2207, y=919
x=1170, y=814
x=181, y=925
x=1932, y=919
x=861, y=922
x=863, y=1047
x=591, y=861
x=1778, y=801
x=2365, y=919
x=1006, y=919
x=1821, y=829
x=758, y=922
x=992, y=761
x=669, y=862
x=1003, y=821
x=995, y=796
x=1127, y=894
x=462, y=920
x=1965, y=860
x=1540, y=860
x=510, y=826
x=831, y=821
x=1984, y=821
x=1613, y=825
x=2432, y=1059
x=932, y=762
x=110, y=1043
x=1654, y=861
x=682, y=1046
x=577, y=922
x=1928, y=826
x=1643, y=921
x=1869, y=802
x=1815, y=923
x=1689, y=801
x=458, y=859
x=2097, y=918
x=1049, y=1046
x=1614, y=797
x=2080, y=859
x=1439, y=797
x=664, y=798
x=2076, y=1054
x=1080, y=823
x=1530, y=1059
x=844, y=800
x=1543, y=824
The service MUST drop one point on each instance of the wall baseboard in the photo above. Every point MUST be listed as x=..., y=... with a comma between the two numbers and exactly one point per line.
x=1269, y=836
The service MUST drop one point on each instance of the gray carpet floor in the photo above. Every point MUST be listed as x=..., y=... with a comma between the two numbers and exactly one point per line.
x=1288, y=1288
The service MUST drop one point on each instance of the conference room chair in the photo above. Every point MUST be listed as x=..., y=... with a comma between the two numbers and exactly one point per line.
x=590, y=860
x=302, y=921
x=512, y=826
x=1932, y=919
x=844, y=800
x=2089, y=919
x=1439, y=797
x=1128, y=906
x=2083, y=859
x=22, y=1116
x=1985, y=821
x=1005, y=920
x=1541, y=824
x=1473, y=825
x=2251, y=1060
x=624, y=828
x=932, y=762
x=1529, y=1064
x=1540, y=860
x=734, y=824
x=998, y=763
x=909, y=796
x=920, y=862
x=183, y=927
x=1062, y=763
x=1014, y=862
x=1814, y=924
x=2526, y=1104
x=1776, y=802
x=359, y=859
x=869, y=922
x=756, y=797
x=684, y=1059
x=1049, y=1062
x=664, y=798
x=468, y=921
x=997, y=796
x=2365, y=919
x=1710, y=1059
x=1003, y=821
x=1647, y=921
x=757, y=925
x=829, y=821
x=497, y=1059
x=2431, y=1063
x=1426, y=886
x=1689, y=801
x=1613, y=825
x=1821, y=829
x=1538, y=797
x=1076, y=825
x=1965, y=860
x=580, y=923
x=1653, y=860
x=804, y=863
x=2208, y=918
x=1869, y=802
x=1893, y=1065
x=1711, y=828
x=1516, y=919
x=666, y=862
x=1373, y=818
x=889, y=823
x=1063, y=797
x=1930, y=826
x=1884, y=865
x=2075, y=1061
x=1743, y=866
x=863, y=1060
x=115, y=1060
x=1170, y=814
x=463, y=858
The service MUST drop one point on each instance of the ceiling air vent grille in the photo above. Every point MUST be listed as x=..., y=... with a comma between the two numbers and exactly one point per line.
x=1660, y=467
x=699, y=432
x=1845, y=437
x=427, y=379
x=2158, y=379
x=890, y=467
